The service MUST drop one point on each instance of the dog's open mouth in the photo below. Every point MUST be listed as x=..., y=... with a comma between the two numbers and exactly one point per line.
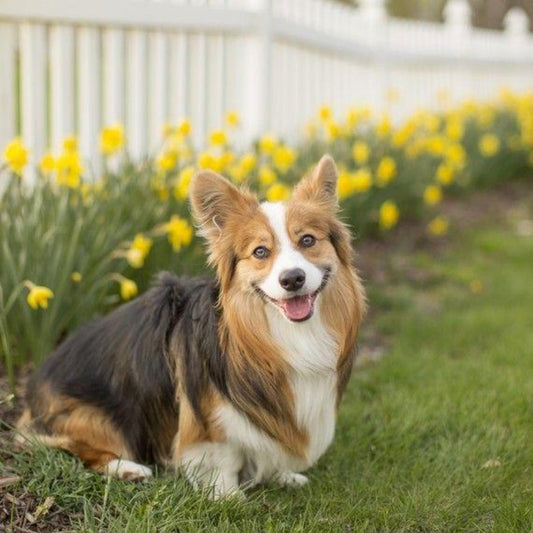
x=300, y=307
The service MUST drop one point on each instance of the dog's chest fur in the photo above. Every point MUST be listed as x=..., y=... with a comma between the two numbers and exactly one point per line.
x=312, y=354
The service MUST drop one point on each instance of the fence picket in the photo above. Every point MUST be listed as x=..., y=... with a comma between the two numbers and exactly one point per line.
x=136, y=93
x=179, y=54
x=89, y=108
x=113, y=82
x=33, y=90
x=61, y=83
x=8, y=122
x=158, y=66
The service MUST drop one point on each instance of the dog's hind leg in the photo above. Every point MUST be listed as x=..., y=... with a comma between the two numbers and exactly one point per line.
x=85, y=432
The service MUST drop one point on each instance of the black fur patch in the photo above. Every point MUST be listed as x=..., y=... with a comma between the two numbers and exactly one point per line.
x=122, y=363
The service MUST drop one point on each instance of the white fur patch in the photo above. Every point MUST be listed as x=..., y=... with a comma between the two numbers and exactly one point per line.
x=213, y=466
x=312, y=354
x=288, y=257
x=124, y=469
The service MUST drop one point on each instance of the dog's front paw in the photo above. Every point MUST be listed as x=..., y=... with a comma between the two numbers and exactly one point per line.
x=127, y=470
x=291, y=479
x=234, y=494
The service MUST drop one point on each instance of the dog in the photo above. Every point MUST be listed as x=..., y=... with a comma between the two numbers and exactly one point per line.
x=235, y=381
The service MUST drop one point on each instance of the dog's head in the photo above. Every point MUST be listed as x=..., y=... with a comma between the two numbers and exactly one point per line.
x=284, y=253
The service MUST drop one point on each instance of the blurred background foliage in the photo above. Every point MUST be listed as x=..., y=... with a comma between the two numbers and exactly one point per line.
x=485, y=13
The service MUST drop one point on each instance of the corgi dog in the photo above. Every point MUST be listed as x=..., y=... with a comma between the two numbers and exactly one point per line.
x=235, y=381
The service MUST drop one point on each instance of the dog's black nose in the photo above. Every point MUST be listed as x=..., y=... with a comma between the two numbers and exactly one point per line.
x=292, y=280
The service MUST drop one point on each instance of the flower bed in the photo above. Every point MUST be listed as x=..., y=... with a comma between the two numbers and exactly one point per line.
x=72, y=248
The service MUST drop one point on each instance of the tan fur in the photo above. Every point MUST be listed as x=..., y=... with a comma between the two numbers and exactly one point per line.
x=77, y=428
x=190, y=432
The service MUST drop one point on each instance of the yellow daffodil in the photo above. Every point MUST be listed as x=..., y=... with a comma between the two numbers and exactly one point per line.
x=267, y=144
x=138, y=250
x=232, y=119
x=70, y=144
x=386, y=171
x=128, y=288
x=401, y=136
x=47, y=164
x=352, y=118
x=384, y=126
x=438, y=226
x=181, y=190
x=489, y=145
x=278, y=192
x=76, y=277
x=227, y=159
x=237, y=173
x=455, y=129
x=218, y=138
x=16, y=155
x=455, y=155
x=179, y=232
x=283, y=158
x=344, y=184
x=167, y=160
x=184, y=128
x=38, y=295
x=266, y=176
x=206, y=160
x=436, y=145
x=445, y=174
x=361, y=180
x=388, y=215
x=325, y=113
x=111, y=139
x=432, y=195
x=248, y=162
x=333, y=130
x=69, y=169
x=360, y=152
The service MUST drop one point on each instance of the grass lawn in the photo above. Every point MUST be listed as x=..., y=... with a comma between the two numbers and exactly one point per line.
x=435, y=436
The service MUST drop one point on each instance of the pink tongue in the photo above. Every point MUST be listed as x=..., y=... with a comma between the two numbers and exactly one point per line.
x=298, y=308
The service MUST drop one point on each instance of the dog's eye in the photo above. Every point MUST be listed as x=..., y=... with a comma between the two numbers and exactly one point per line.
x=261, y=252
x=307, y=241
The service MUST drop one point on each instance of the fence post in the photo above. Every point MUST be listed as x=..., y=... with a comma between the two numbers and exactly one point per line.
x=7, y=84
x=516, y=24
x=258, y=84
x=374, y=20
x=457, y=17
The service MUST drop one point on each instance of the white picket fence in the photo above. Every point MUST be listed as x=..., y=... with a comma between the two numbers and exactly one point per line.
x=72, y=66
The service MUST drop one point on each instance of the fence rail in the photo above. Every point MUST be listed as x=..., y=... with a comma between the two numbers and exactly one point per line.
x=71, y=66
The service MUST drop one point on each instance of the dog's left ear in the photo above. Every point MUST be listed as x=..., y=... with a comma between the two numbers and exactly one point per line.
x=320, y=185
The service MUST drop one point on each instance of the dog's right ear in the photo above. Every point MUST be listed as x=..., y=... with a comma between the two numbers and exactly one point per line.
x=214, y=199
